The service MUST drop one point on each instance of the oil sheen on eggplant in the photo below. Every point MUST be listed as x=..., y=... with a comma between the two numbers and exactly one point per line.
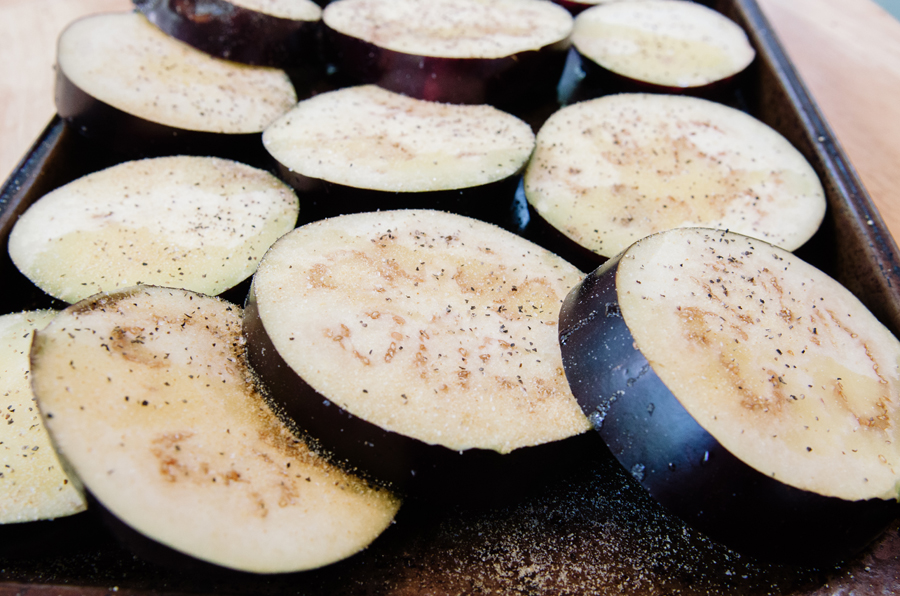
x=734, y=416
x=419, y=346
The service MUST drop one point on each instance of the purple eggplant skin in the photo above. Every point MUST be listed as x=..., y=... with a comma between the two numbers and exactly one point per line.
x=135, y=137
x=525, y=78
x=321, y=198
x=525, y=221
x=683, y=466
x=585, y=79
x=475, y=477
x=231, y=32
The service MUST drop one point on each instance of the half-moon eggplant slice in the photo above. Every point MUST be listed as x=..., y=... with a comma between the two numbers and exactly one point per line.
x=417, y=344
x=199, y=223
x=33, y=484
x=609, y=171
x=126, y=83
x=366, y=149
x=747, y=391
x=279, y=33
x=458, y=51
x=671, y=46
x=147, y=395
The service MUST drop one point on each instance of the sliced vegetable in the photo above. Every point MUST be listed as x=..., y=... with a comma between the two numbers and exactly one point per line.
x=199, y=223
x=148, y=396
x=33, y=483
x=125, y=82
x=747, y=391
x=458, y=51
x=415, y=342
x=366, y=148
x=609, y=171
x=277, y=33
x=676, y=46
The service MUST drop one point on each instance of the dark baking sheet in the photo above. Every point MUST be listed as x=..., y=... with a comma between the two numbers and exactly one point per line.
x=593, y=532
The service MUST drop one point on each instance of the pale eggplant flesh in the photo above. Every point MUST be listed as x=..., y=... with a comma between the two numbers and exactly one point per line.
x=429, y=472
x=680, y=463
x=148, y=398
x=132, y=136
x=399, y=339
x=364, y=148
x=524, y=79
x=659, y=46
x=120, y=82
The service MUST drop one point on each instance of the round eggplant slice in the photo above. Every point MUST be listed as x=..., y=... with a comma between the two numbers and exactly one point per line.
x=366, y=149
x=609, y=171
x=199, y=223
x=148, y=396
x=673, y=46
x=123, y=81
x=413, y=343
x=33, y=483
x=459, y=51
x=747, y=391
x=278, y=33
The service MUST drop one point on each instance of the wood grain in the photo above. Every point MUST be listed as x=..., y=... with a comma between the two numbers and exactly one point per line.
x=847, y=52
x=29, y=29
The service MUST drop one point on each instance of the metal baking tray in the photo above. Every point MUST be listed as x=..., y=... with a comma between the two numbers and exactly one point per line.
x=592, y=532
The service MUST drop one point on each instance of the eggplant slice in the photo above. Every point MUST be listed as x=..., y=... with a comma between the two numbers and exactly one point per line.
x=33, y=484
x=406, y=339
x=119, y=75
x=199, y=223
x=609, y=171
x=365, y=148
x=673, y=45
x=457, y=51
x=746, y=390
x=277, y=33
x=148, y=396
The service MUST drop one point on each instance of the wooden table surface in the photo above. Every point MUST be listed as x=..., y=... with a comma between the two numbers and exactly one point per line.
x=847, y=52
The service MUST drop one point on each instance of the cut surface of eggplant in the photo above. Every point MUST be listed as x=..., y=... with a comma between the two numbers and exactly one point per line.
x=432, y=326
x=199, y=223
x=122, y=60
x=452, y=28
x=370, y=138
x=671, y=43
x=744, y=388
x=506, y=52
x=33, y=484
x=148, y=396
x=281, y=33
x=609, y=171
